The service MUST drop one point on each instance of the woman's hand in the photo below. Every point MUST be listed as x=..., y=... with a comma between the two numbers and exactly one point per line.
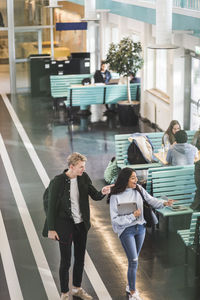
x=170, y=202
x=137, y=213
x=52, y=234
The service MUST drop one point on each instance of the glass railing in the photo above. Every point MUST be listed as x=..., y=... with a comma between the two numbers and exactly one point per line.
x=189, y=4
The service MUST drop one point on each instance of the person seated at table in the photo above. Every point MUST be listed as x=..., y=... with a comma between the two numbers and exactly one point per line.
x=132, y=79
x=168, y=137
x=102, y=75
x=181, y=153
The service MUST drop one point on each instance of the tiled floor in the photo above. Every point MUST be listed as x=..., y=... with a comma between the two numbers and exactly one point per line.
x=162, y=274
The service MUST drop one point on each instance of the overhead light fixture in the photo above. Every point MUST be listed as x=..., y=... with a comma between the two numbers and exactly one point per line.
x=163, y=26
x=162, y=47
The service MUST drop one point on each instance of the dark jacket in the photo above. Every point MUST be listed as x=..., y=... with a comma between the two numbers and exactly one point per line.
x=98, y=77
x=196, y=203
x=59, y=204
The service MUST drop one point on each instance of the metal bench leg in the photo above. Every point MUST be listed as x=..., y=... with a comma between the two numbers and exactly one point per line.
x=197, y=262
x=69, y=114
x=167, y=226
x=186, y=255
x=84, y=110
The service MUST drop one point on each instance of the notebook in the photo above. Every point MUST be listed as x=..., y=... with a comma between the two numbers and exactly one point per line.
x=126, y=208
x=174, y=207
x=178, y=207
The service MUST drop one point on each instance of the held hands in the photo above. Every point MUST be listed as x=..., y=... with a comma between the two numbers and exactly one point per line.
x=106, y=189
x=137, y=213
x=170, y=202
x=52, y=234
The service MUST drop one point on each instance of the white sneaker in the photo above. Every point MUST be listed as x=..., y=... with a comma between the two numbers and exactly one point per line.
x=135, y=296
x=128, y=290
x=81, y=293
x=64, y=296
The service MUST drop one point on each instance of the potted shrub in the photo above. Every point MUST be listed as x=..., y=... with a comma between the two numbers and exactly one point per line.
x=126, y=59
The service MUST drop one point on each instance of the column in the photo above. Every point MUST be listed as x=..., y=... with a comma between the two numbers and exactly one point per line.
x=92, y=33
x=11, y=45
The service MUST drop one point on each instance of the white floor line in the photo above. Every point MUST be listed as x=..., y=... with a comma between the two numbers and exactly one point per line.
x=42, y=264
x=27, y=143
x=98, y=285
x=8, y=264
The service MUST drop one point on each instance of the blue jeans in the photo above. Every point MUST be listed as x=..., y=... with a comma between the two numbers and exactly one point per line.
x=132, y=239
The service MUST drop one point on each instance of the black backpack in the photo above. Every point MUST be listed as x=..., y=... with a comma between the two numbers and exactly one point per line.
x=46, y=197
x=135, y=156
x=86, y=81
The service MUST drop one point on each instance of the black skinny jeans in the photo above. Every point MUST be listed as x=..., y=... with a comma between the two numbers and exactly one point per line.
x=69, y=232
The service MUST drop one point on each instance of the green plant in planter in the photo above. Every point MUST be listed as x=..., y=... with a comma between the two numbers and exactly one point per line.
x=125, y=58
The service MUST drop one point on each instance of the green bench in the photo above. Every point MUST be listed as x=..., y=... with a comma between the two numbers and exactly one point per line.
x=190, y=134
x=160, y=169
x=177, y=184
x=60, y=83
x=98, y=94
x=122, y=144
x=190, y=237
x=115, y=93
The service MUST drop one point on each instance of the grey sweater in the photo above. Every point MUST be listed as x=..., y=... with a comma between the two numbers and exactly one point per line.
x=119, y=223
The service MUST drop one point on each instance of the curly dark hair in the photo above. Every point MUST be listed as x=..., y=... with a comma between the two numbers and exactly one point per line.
x=122, y=181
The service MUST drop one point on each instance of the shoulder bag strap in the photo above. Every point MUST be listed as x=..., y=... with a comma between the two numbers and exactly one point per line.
x=141, y=194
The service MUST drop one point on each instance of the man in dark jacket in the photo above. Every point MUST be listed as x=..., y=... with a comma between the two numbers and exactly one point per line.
x=68, y=220
x=103, y=75
x=196, y=204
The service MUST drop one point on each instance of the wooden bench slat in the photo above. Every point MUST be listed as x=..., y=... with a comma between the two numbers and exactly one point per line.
x=122, y=144
x=187, y=235
x=177, y=184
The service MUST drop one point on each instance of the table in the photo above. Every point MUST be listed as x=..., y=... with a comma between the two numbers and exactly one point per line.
x=161, y=156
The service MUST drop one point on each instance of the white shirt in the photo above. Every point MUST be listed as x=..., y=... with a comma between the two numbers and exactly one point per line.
x=74, y=196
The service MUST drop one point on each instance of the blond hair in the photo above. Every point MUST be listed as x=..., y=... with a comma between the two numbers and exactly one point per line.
x=74, y=158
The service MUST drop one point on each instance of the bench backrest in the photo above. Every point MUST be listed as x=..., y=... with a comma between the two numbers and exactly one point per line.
x=59, y=83
x=176, y=184
x=85, y=96
x=190, y=134
x=193, y=224
x=99, y=94
x=122, y=143
x=160, y=169
x=115, y=93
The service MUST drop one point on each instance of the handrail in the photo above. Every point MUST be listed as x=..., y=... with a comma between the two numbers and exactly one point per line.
x=187, y=4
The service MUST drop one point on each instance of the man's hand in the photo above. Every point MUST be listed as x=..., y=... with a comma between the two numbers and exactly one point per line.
x=52, y=234
x=106, y=189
